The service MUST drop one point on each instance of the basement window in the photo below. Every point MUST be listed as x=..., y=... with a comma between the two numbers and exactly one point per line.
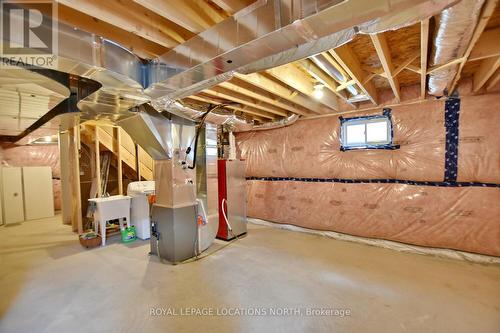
x=371, y=132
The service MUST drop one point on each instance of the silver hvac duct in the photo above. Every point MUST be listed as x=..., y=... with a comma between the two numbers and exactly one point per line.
x=326, y=66
x=263, y=35
x=454, y=30
x=234, y=122
x=275, y=32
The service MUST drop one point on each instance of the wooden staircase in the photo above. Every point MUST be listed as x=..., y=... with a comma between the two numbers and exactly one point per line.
x=121, y=145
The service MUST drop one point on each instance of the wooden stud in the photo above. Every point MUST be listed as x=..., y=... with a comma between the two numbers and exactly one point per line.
x=384, y=54
x=346, y=58
x=119, y=168
x=97, y=162
x=487, y=68
x=424, y=42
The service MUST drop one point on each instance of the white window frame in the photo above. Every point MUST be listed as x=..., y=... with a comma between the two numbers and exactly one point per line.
x=365, y=121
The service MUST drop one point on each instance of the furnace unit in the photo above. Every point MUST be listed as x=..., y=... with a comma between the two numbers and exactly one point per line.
x=232, y=199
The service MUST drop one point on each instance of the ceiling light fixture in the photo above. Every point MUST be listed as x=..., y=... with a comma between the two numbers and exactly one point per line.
x=318, y=91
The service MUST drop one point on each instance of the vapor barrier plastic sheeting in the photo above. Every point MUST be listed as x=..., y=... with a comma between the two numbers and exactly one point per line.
x=401, y=247
x=460, y=218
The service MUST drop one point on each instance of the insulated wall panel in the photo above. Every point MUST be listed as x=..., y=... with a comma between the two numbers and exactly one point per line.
x=461, y=218
x=451, y=215
x=479, y=144
x=311, y=148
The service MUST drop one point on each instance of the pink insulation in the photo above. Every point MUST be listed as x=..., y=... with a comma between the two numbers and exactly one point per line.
x=46, y=155
x=311, y=148
x=462, y=218
x=479, y=152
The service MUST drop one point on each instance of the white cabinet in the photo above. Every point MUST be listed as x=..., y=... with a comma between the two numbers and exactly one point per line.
x=12, y=195
x=38, y=193
x=26, y=193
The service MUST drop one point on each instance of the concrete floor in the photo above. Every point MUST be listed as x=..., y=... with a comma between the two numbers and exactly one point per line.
x=49, y=283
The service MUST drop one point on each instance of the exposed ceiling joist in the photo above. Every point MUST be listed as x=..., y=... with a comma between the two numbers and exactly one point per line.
x=487, y=68
x=494, y=80
x=295, y=78
x=225, y=93
x=384, y=54
x=396, y=71
x=424, y=42
x=249, y=90
x=487, y=11
x=180, y=12
x=232, y=6
x=246, y=109
x=488, y=45
x=138, y=45
x=324, y=78
x=346, y=58
x=132, y=17
x=448, y=64
x=282, y=91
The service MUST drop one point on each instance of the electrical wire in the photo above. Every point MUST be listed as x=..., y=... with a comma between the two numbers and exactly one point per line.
x=198, y=130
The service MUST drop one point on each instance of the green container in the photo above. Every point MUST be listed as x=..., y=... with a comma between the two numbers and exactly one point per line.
x=128, y=234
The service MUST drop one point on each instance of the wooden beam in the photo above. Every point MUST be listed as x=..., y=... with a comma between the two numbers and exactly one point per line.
x=118, y=136
x=346, y=58
x=487, y=11
x=232, y=6
x=243, y=99
x=324, y=78
x=494, y=80
x=97, y=162
x=245, y=88
x=414, y=69
x=346, y=84
x=487, y=68
x=384, y=54
x=180, y=12
x=282, y=91
x=76, y=219
x=424, y=42
x=134, y=18
x=136, y=44
x=448, y=64
x=207, y=98
x=488, y=45
x=298, y=80
x=398, y=69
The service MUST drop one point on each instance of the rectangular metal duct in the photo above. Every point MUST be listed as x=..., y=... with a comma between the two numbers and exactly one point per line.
x=150, y=130
x=270, y=33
